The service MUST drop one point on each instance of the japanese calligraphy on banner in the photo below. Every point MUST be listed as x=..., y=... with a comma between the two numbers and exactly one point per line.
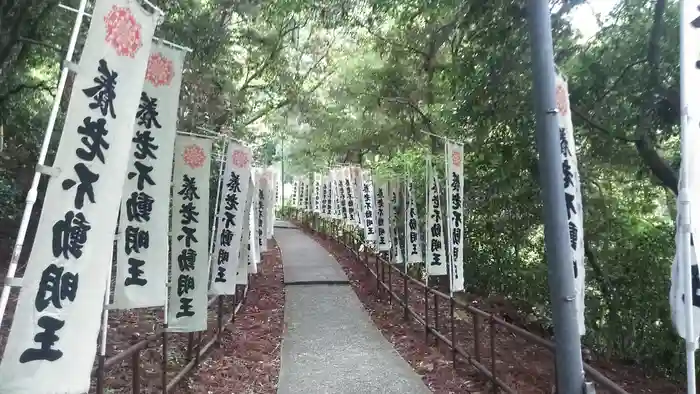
x=413, y=251
x=572, y=195
x=230, y=218
x=254, y=250
x=187, y=306
x=317, y=192
x=142, y=252
x=357, y=180
x=270, y=213
x=350, y=200
x=435, y=259
x=245, y=263
x=295, y=192
x=308, y=193
x=302, y=193
x=455, y=210
x=62, y=295
x=367, y=207
x=381, y=193
x=263, y=188
x=395, y=218
x=325, y=201
x=336, y=199
x=342, y=194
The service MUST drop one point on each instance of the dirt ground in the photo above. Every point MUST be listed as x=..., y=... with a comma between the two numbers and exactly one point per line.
x=523, y=366
x=245, y=359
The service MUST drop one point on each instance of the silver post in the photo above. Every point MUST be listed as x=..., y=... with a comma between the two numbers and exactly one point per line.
x=569, y=365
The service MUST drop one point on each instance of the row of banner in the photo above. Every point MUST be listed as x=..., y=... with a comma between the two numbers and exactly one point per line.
x=378, y=206
x=360, y=199
x=119, y=163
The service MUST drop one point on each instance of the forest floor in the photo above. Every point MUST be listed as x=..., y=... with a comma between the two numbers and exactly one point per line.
x=246, y=360
x=525, y=367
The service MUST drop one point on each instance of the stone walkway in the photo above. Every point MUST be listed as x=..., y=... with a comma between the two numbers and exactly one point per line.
x=330, y=345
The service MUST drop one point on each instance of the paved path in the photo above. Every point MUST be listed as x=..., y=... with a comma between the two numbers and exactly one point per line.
x=330, y=345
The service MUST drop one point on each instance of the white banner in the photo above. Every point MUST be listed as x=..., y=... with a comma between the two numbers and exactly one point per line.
x=317, y=192
x=350, y=199
x=295, y=192
x=263, y=187
x=336, y=199
x=572, y=195
x=270, y=214
x=343, y=194
x=413, y=250
x=254, y=251
x=245, y=265
x=395, y=220
x=435, y=259
x=57, y=316
x=187, y=307
x=367, y=207
x=142, y=252
x=383, y=210
x=324, y=196
x=230, y=218
x=454, y=171
x=689, y=182
x=357, y=180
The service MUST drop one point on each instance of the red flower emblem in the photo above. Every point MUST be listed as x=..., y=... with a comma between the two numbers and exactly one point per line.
x=240, y=159
x=194, y=156
x=123, y=32
x=562, y=97
x=160, y=70
x=456, y=159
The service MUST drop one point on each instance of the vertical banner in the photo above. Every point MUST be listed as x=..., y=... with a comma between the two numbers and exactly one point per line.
x=342, y=194
x=454, y=173
x=142, y=252
x=572, y=195
x=245, y=264
x=435, y=259
x=308, y=193
x=349, y=196
x=230, y=218
x=254, y=250
x=336, y=199
x=413, y=252
x=302, y=189
x=395, y=220
x=367, y=207
x=295, y=191
x=357, y=177
x=187, y=307
x=381, y=192
x=57, y=316
x=263, y=186
x=317, y=192
x=324, y=196
x=270, y=214
x=687, y=201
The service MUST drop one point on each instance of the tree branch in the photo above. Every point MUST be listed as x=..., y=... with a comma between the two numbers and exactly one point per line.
x=597, y=126
x=17, y=89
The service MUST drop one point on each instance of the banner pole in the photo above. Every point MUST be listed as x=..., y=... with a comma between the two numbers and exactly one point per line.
x=32, y=193
x=569, y=364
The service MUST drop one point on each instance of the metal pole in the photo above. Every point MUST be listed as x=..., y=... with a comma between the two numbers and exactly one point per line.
x=569, y=365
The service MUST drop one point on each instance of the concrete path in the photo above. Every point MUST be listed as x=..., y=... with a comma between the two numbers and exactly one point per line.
x=330, y=345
